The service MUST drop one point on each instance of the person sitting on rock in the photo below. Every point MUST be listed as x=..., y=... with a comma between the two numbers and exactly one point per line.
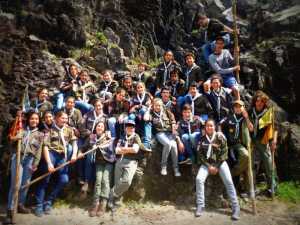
x=127, y=84
x=192, y=72
x=213, y=29
x=189, y=130
x=200, y=104
x=55, y=153
x=236, y=129
x=74, y=115
x=107, y=86
x=163, y=70
x=142, y=74
x=85, y=167
x=220, y=99
x=41, y=103
x=222, y=62
x=104, y=161
x=66, y=87
x=176, y=85
x=117, y=110
x=84, y=90
x=164, y=127
x=264, y=135
x=129, y=151
x=139, y=111
x=31, y=147
x=168, y=101
x=212, y=153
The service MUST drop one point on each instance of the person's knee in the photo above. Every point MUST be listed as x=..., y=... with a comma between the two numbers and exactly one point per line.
x=185, y=137
x=200, y=180
x=64, y=179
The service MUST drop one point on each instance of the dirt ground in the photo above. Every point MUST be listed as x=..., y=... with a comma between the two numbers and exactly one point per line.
x=269, y=213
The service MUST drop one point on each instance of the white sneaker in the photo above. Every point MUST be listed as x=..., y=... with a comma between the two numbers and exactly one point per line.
x=163, y=171
x=177, y=173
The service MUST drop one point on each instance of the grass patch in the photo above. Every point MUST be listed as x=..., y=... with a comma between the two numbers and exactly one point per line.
x=289, y=191
x=101, y=38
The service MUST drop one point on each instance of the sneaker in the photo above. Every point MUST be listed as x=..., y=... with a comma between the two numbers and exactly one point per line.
x=47, y=208
x=235, y=213
x=38, y=212
x=147, y=149
x=23, y=210
x=177, y=173
x=199, y=211
x=163, y=171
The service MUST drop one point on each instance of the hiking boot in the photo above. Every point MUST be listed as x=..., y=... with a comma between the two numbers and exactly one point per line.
x=10, y=218
x=177, y=173
x=199, y=211
x=164, y=171
x=101, y=208
x=235, y=213
x=48, y=208
x=93, y=211
x=23, y=210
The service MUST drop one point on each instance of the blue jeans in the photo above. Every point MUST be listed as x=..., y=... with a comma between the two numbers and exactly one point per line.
x=63, y=178
x=169, y=147
x=59, y=101
x=25, y=177
x=111, y=122
x=84, y=107
x=190, y=142
x=144, y=127
x=209, y=48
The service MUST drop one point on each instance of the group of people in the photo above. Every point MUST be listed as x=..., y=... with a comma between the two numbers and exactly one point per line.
x=107, y=127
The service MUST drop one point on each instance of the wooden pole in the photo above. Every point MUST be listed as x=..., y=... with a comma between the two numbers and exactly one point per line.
x=273, y=156
x=61, y=166
x=17, y=176
x=251, y=182
x=236, y=40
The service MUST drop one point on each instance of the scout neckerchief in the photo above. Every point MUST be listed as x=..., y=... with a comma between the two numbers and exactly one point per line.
x=166, y=71
x=168, y=104
x=96, y=119
x=193, y=99
x=97, y=139
x=217, y=94
x=174, y=88
x=46, y=126
x=62, y=137
x=205, y=33
x=159, y=115
x=26, y=139
x=237, y=126
x=140, y=75
x=189, y=121
x=107, y=85
x=38, y=104
x=187, y=75
x=210, y=141
x=256, y=118
x=82, y=86
x=141, y=99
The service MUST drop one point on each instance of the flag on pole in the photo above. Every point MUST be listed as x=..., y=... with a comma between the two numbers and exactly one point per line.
x=25, y=101
x=267, y=121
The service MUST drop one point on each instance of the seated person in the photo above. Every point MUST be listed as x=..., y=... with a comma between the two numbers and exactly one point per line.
x=107, y=86
x=212, y=157
x=176, y=85
x=41, y=103
x=127, y=85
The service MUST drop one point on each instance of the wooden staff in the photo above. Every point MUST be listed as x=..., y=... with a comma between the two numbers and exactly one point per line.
x=250, y=178
x=17, y=177
x=273, y=155
x=64, y=164
x=236, y=40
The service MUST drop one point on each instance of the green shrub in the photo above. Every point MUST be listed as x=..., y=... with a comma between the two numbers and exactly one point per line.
x=289, y=191
x=101, y=38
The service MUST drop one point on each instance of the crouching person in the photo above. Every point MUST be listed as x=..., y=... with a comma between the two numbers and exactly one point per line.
x=55, y=153
x=129, y=150
x=104, y=159
x=212, y=156
x=31, y=143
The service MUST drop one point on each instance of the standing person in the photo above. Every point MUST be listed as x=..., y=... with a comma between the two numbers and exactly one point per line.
x=212, y=156
x=222, y=62
x=163, y=70
x=192, y=72
x=74, y=115
x=220, y=99
x=236, y=129
x=41, y=104
x=117, y=110
x=107, y=86
x=31, y=147
x=189, y=130
x=54, y=154
x=164, y=127
x=66, y=87
x=213, y=29
x=264, y=135
x=129, y=150
x=104, y=159
x=139, y=112
x=86, y=167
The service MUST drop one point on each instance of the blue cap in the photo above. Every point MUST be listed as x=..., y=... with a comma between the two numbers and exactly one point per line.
x=130, y=122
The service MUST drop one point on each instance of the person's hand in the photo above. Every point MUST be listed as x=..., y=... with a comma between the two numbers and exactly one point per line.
x=33, y=168
x=245, y=113
x=237, y=68
x=213, y=170
x=273, y=146
x=80, y=155
x=121, y=119
x=51, y=167
x=73, y=158
x=76, y=132
x=180, y=147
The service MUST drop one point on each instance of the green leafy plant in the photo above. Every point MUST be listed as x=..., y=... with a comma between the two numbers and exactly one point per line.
x=101, y=38
x=289, y=191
